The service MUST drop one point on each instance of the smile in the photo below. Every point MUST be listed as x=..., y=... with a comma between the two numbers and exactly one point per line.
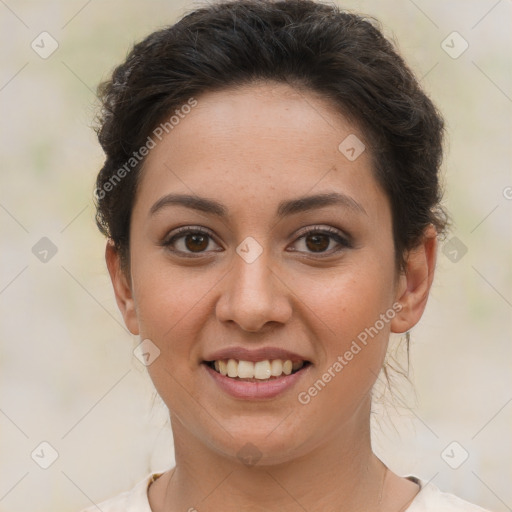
x=255, y=371
x=260, y=380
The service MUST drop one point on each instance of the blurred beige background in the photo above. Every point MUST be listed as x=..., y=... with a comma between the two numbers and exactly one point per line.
x=67, y=373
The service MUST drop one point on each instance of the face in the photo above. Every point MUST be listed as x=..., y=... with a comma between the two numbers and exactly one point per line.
x=255, y=238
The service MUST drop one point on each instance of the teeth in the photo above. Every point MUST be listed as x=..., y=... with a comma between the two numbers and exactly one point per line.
x=261, y=370
x=223, y=367
x=297, y=365
x=232, y=368
x=276, y=367
x=246, y=369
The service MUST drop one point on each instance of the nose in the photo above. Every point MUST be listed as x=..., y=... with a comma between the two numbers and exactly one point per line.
x=254, y=295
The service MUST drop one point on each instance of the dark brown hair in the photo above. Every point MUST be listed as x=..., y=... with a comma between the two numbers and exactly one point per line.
x=309, y=45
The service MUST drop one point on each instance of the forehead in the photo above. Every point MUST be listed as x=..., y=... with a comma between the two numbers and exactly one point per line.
x=259, y=141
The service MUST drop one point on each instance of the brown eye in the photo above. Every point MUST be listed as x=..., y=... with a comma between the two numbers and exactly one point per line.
x=196, y=242
x=317, y=243
x=188, y=241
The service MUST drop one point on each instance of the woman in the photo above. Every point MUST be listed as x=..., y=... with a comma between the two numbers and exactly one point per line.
x=271, y=200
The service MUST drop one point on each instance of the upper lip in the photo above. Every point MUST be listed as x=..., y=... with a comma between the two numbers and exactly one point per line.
x=259, y=354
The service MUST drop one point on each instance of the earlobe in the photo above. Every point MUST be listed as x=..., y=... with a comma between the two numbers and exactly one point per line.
x=415, y=283
x=122, y=288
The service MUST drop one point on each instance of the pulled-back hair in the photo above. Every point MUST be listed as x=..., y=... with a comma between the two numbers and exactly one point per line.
x=312, y=46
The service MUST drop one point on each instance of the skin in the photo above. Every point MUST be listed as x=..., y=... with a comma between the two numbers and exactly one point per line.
x=250, y=148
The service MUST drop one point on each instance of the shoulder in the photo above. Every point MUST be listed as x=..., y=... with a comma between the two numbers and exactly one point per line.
x=429, y=499
x=432, y=499
x=134, y=500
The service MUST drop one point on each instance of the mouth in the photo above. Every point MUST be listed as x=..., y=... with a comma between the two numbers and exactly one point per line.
x=259, y=371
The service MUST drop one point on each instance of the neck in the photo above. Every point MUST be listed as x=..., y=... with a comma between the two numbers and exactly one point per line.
x=341, y=474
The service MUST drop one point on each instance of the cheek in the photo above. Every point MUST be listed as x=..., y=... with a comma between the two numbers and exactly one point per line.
x=353, y=309
x=354, y=345
x=171, y=308
x=350, y=298
x=170, y=300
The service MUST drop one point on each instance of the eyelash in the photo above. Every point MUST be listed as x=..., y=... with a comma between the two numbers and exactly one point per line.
x=333, y=233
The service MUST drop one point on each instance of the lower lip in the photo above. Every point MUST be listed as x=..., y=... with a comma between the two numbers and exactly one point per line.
x=255, y=390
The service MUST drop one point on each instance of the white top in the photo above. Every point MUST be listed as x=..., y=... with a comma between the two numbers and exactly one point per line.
x=429, y=499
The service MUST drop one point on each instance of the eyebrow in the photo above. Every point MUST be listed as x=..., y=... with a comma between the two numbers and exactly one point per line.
x=284, y=209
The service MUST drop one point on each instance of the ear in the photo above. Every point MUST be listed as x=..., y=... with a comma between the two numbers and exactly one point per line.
x=415, y=282
x=122, y=288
